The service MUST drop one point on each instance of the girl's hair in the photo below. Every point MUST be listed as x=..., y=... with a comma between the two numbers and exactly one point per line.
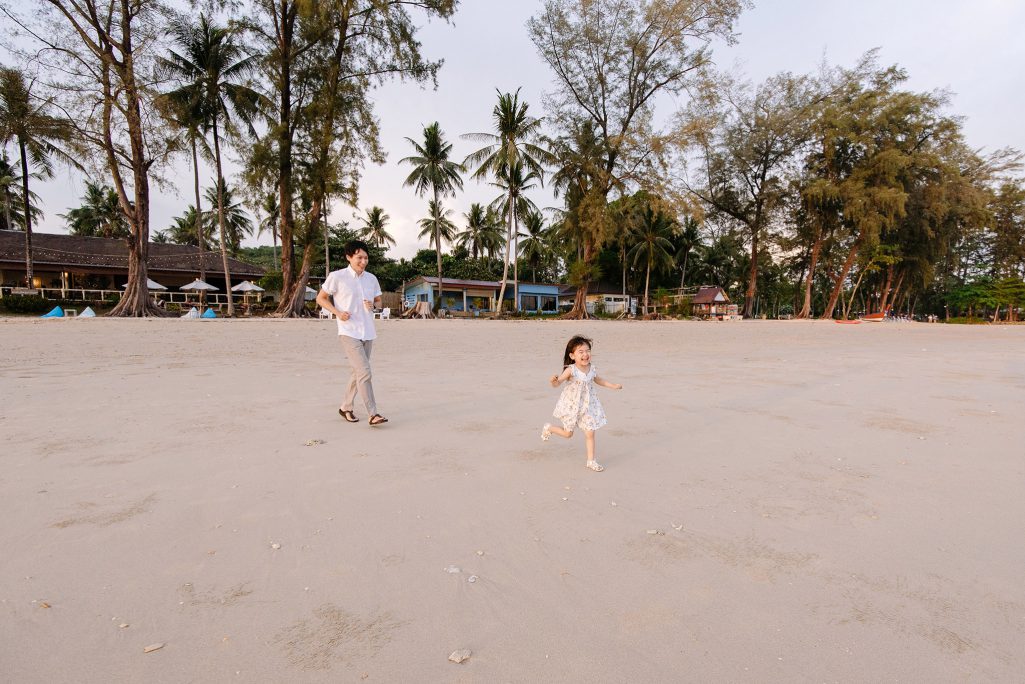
x=571, y=346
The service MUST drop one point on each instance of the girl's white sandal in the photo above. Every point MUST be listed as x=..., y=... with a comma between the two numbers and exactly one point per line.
x=595, y=466
x=546, y=432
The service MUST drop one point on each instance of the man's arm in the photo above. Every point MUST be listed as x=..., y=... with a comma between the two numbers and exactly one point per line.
x=325, y=301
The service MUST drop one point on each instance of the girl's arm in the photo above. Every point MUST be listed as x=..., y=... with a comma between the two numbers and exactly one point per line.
x=557, y=380
x=605, y=383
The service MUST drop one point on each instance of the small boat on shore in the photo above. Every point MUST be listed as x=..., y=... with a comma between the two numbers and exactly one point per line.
x=874, y=317
x=837, y=320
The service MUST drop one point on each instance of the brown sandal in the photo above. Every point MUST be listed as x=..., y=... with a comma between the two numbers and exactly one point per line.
x=349, y=416
x=377, y=419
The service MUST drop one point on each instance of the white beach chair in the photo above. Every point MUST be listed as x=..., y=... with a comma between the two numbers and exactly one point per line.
x=324, y=313
x=383, y=314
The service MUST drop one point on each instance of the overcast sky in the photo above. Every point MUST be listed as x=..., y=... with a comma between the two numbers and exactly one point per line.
x=973, y=49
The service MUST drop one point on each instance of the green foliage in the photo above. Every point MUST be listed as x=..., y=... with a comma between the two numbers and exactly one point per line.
x=26, y=304
x=271, y=281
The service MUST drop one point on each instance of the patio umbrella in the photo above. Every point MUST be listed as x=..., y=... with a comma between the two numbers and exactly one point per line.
x=151, y=284
x=311, y=294
x=198, y=286
x=247, y=286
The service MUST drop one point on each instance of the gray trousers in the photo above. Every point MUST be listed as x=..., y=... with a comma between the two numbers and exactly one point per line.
x=358, y=353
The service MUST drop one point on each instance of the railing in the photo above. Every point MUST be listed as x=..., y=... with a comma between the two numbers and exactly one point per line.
x=167, y=296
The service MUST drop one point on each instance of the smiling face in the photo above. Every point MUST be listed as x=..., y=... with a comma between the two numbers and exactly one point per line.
x=581, y=355
x=358, y=261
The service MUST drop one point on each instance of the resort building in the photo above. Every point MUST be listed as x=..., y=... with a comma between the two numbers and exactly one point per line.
x=93, y=268
x=601, y=298
x=473, y=297
x=713, y=302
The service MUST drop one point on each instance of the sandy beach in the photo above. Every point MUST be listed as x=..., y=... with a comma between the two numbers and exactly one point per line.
x=782, y=502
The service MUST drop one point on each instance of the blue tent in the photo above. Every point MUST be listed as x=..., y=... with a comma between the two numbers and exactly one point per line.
x=209, y=313
x=56, y=312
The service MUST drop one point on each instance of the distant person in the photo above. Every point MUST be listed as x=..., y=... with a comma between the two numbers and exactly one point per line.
x=578, y=405
x=352, y=294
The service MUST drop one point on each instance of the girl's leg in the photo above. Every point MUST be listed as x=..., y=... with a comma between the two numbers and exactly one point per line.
x=589, y=442
x=556, y=430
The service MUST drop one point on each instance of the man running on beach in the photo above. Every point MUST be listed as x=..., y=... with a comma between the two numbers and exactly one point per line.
x=352, y=294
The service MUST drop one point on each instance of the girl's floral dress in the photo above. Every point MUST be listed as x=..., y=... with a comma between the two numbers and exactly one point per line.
x=578, y=405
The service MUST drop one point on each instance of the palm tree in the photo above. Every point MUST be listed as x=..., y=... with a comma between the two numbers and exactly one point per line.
x=514, y=142
x=38, y=136
x=437, y=223
x=535, y=248
x=184, y=110
x=235, y=223
x=269, y=206
x=99, y=215
x=483, y=234
x=182, y=230
x=514, y=204
x=210, y=65
x=652, y=228
x=434, y=171
x=373, y=227
x=688, y=239
x=10, y=184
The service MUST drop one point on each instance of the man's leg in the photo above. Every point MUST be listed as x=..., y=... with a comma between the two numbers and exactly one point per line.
x=358, y=354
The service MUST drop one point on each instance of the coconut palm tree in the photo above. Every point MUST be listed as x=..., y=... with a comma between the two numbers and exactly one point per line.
x=513, y=203
x=513, y=142
x=437, y=222
x=535, y=248
x=434, y=171
x=212, y=64
x=373, y=227
x=10, y=185
x=269, y=207
x=99, y=215
x=182, y=230
x=183, y=109
x=483, y=234
x=39, y=137
x=233, y=219
x=688, y=239
x=652, y=228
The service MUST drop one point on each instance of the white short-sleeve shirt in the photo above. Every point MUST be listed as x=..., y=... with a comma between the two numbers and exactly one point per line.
x=348, y=291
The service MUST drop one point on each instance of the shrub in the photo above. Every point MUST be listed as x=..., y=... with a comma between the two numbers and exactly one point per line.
x=26, y=304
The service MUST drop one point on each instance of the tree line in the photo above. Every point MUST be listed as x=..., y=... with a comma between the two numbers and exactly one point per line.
x=820, y=194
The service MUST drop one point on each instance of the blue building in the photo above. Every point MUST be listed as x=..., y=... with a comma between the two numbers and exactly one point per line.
x=473, y=297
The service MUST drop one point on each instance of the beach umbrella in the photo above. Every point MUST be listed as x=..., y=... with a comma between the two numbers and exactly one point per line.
x=151, y=284
x=247, y=286
x=198, y=285
x=311, y=294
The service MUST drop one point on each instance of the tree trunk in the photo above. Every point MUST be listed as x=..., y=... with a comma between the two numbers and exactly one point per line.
x=516, y=264
x=200, y=238
x=816, y=250
x=220, y=222
x=752, y=276
x=841, y=277
x=28, y=213
x=295, y=307
x=437, y=253
x=508, y=248
x=285, y=13
x=7, y=209
x=135, y=302
x=579, y=310
x=647, y=283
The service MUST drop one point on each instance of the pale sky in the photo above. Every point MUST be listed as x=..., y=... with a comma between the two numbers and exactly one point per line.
x=973, y=49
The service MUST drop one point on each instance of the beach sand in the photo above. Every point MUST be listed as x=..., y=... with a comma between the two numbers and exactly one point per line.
x=829, y=503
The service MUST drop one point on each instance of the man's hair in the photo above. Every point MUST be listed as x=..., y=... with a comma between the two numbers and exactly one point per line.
x=353, y=246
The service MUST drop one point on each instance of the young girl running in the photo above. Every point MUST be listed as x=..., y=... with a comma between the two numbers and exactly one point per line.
x=579, y=405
